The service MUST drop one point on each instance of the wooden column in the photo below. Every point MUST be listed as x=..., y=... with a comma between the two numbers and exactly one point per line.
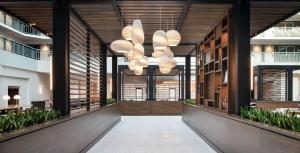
x=103, y=72
x=260, y=83
x=88, y=70
x=151, y=82
x=188, y=77
x=181, y=78
x=114, y=77
x=239, y=57
x=289, y=84
x=60, y=62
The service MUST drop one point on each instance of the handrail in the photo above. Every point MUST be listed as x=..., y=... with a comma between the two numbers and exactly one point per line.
x=17, y=24
x=19, y=48
x=277, y=57
x=281, y=32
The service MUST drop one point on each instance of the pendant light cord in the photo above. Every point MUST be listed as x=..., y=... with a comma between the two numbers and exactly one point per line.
x=160, y=18
x=172, y=20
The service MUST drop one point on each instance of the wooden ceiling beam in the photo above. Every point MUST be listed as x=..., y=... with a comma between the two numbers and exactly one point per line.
x=117, y=12
x=183, y=15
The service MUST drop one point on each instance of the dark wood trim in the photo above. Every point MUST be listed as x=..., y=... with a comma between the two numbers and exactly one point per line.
x=88, y=69
x=103, y=75
x=239, y=63
x=114, y=77
x=183, y=14
x=289, y=85
x=60, y=56
x=277, y=21
x=117, y=12
x=187, y=77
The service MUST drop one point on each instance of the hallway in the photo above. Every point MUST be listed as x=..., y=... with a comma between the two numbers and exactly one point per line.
x=151, y=134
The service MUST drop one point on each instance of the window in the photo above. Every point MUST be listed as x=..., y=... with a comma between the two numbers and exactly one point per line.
x=286, y=25
x=286, y=48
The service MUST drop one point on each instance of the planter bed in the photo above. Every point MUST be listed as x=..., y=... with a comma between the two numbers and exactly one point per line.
x=232, y=134
x=70, y=134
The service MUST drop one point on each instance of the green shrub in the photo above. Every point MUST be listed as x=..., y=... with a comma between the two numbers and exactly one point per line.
x=13, y=121
x=191, y=101
x=111, y=100
x=282, y=120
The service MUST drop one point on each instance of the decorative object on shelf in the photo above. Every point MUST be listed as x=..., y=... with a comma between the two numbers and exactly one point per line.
x=121, y=46
x=226, y=76
x=225, y=103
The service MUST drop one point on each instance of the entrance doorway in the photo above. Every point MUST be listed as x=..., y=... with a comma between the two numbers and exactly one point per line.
x=12, y=92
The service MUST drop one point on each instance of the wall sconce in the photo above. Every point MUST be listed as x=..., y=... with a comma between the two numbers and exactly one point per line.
x=6, y=97
x=17, y=98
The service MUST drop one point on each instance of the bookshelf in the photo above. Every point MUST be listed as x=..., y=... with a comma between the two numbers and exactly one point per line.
x=212, y=67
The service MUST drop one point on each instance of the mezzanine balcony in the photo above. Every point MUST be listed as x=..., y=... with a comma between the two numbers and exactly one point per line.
x=275, y=58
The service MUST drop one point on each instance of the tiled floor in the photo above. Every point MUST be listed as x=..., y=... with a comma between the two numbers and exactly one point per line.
x=151, y=134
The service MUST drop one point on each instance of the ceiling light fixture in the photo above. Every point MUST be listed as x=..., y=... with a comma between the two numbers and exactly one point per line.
x=173, y=36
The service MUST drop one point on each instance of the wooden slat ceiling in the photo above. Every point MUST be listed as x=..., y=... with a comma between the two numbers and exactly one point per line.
x=264, y=15
x=102, y=19
x=39, y=14
x=149, y=13
x=199, y=20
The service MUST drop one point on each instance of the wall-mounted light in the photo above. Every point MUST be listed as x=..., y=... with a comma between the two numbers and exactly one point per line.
x=41, y=89
x=17, y=98
x=6, y=97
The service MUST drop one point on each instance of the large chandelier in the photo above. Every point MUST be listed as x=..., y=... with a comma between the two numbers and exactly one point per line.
x=161, y=41
x=121, y=46
x=132, y=46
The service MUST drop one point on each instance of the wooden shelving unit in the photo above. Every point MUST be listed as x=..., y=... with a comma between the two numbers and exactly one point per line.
x=212, y=67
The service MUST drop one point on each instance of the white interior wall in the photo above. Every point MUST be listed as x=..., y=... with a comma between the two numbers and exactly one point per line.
x=33, y=86
x=296, y=87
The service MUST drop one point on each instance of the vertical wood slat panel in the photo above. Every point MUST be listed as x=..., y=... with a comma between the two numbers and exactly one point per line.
x=86, y=66
x=79, y=82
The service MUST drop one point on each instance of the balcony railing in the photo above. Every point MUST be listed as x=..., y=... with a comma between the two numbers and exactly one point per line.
x=18, y=48
x=281, y=32
x=17, y=24
x=275, y=57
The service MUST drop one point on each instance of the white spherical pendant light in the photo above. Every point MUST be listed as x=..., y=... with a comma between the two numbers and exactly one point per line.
x=138, y=51
x=127, y=32
x=159, y=40
x=173, y=37
x=165, y=70
x=121, y=46
x=168, y=53
x=167, y=62
x=158, y=53
x=132, y=65
x=138, y=70
x=137, y=32
x=143, y=62
x=130, y=55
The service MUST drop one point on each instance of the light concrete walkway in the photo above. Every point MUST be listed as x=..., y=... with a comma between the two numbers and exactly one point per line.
x=151, y=134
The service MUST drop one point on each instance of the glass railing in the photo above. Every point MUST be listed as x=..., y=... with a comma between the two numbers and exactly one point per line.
x=17, y=24
x=275, y=57
x=281, y=32
x=18, y=48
